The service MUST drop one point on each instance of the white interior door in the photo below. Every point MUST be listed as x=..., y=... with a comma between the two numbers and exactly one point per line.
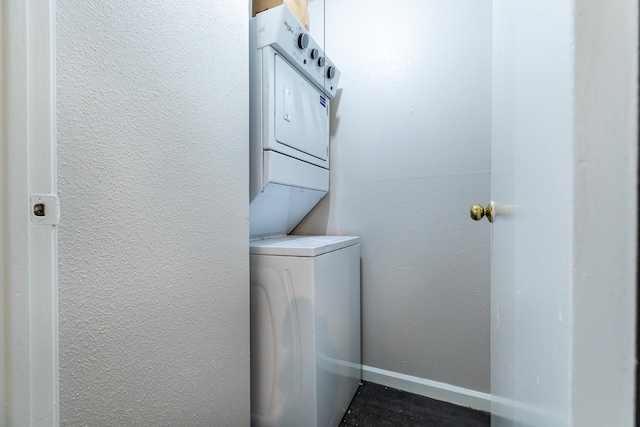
x=564, y=147
x=532, y=248
x=29, y=242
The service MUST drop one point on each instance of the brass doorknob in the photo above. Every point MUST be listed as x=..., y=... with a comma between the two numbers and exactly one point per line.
x=478, y=212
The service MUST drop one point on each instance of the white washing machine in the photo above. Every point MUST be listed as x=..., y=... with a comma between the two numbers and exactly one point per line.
x=305, y=291
x=305, y=329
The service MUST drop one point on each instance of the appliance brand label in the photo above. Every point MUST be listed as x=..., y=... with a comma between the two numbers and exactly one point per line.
x=323, y=101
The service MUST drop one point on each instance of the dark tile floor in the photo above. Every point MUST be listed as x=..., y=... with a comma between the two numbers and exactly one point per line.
x=376, y=406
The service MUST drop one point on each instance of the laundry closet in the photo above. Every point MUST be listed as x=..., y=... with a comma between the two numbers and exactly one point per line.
x=132, y=306
x=305, y=290
x=409, y=147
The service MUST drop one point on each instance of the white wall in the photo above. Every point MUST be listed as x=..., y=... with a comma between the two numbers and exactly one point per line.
x=410, y=152
x=605, y=228
x=153, y=178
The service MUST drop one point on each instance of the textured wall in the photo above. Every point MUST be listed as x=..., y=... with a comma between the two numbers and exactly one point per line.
x=152, y=134
x=410, y=154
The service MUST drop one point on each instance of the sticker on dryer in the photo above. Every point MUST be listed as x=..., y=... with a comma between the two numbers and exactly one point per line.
x=323, y=101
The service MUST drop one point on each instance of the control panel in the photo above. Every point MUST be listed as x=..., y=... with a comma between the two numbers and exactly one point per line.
x=279, y=28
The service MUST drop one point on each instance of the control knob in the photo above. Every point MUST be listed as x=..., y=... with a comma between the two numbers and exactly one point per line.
x=303, y=41
x=331, y=72
x=321, y=61
x=314, y=53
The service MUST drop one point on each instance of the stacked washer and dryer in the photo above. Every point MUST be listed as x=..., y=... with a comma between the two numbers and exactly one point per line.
x=305, y=290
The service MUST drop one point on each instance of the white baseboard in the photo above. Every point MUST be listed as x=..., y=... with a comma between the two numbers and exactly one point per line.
x=433, y=389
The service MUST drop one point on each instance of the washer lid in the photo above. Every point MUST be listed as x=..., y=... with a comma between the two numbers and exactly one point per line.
x=303, y=246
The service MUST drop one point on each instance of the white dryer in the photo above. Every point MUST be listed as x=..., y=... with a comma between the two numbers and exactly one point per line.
x=291, y=89
x=305, y=291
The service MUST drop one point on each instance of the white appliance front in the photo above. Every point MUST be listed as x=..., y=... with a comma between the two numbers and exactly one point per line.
x=300, y=113
x=290, y=116
x=292, y=85
x=305, y=330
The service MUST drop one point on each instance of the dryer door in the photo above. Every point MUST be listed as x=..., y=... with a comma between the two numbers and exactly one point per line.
x=301, y=122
